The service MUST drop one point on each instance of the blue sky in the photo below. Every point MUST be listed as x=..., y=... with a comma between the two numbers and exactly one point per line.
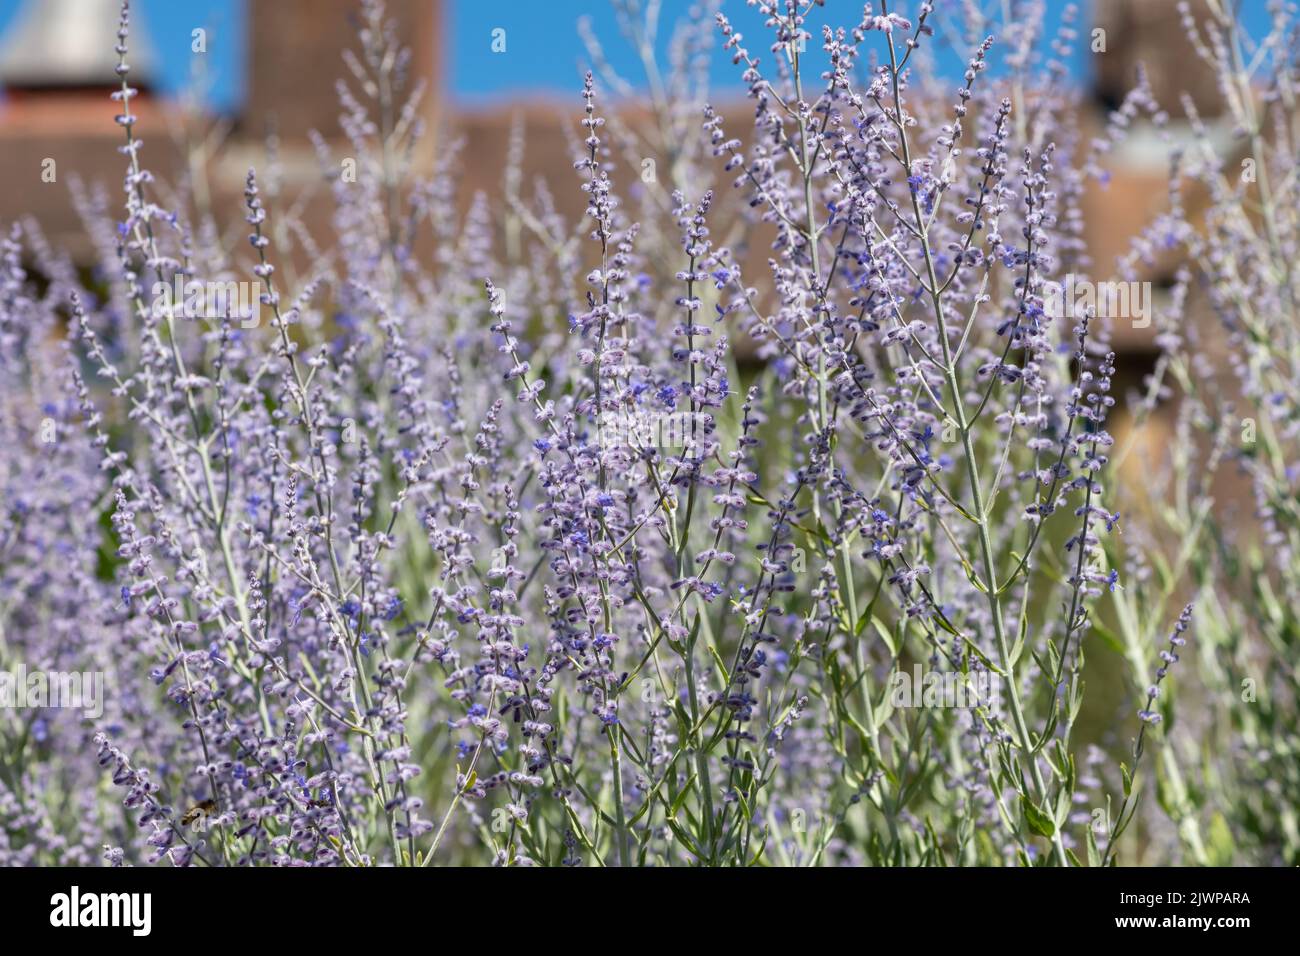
x=169, y=23
x=543, y=42
x=544, y=55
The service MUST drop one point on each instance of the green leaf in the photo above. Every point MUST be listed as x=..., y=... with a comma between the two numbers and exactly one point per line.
x=1019, y=645
x=885, y=636
x=935, y=843
x=722, y=668
x=683, y=839
x=1063, y=806
x=973, y=577
x=1038, y=821
x=681, y=797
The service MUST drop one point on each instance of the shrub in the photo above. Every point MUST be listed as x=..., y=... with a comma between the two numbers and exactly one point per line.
x=455, y=550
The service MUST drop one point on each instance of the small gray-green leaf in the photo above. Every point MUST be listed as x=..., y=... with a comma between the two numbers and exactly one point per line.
x=1039, y=822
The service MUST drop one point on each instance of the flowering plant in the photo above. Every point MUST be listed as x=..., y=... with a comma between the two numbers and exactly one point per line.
x=632, y=542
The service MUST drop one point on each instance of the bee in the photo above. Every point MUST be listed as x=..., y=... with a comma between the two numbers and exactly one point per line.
x=197, y=814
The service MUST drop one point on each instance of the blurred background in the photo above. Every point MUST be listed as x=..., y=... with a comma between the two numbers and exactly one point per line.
x=262, y=67
x=229, y=84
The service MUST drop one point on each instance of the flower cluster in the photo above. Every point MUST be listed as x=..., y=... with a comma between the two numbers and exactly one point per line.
x=590, y=543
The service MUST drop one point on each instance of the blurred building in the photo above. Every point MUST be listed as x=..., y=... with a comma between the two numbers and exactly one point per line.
x=57, y=70
x=292, y=42
x=57, y=73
